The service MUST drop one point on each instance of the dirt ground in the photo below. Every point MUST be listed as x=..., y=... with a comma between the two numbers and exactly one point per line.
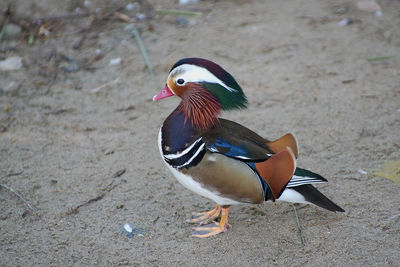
x=78, y=137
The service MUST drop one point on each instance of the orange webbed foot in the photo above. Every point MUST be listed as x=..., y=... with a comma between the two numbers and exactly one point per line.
x=215, y=227
x=205, y=217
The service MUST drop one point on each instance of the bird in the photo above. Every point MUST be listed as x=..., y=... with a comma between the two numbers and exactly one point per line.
x=223, y=160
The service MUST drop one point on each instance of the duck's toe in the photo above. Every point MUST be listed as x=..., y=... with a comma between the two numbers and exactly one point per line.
x=215, y=227
x=205, y=217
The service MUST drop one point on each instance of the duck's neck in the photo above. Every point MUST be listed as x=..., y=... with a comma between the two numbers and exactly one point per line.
x=200, y=107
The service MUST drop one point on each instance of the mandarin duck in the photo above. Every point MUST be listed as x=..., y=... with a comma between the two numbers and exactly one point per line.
x=222, y=160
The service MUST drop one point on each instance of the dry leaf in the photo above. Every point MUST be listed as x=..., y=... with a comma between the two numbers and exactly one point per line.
x=390, y=170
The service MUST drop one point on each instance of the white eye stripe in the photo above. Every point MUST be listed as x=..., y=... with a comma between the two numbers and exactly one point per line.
x=193, y=73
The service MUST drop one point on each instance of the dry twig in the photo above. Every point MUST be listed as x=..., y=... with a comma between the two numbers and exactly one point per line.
x=298, y=226
x=139, y=40
x=107, y=189
x=142, y=47
x=19, y=196
x=95, y=90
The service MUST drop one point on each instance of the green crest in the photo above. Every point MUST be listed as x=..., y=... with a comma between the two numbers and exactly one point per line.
x=229, y=98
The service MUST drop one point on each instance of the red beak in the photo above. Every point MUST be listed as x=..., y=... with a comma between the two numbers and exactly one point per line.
x=165, y=92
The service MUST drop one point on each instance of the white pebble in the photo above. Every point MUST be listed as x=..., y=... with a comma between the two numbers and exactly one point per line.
x=128, y=228
x=186, y=2
x=362, y=172
x=140, y=16
x=115, y=61
x=132, y=6
x=129, y=7
x=345, y=22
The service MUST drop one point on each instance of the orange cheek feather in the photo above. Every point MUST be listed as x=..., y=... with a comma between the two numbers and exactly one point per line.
x=176, y=89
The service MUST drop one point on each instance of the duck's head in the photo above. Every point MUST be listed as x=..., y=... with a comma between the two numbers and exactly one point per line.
x=205, y=89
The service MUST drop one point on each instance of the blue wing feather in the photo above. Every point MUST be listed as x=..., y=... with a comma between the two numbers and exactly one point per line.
x=242, y=150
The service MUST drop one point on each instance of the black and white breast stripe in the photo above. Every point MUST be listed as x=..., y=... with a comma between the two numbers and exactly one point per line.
x=189, y=157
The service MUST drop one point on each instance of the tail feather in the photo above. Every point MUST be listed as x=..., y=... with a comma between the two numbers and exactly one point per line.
x=303, y=176
x=307, y=173
x=300, y=190
x=312, y=195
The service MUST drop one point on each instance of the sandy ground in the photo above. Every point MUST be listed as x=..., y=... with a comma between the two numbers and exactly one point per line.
x=81, y=147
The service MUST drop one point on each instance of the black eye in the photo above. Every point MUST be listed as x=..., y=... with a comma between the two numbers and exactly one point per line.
x=180, y=81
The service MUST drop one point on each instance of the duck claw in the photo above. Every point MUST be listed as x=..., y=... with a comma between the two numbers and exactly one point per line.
x=205, y=217
x=214, y=227
x=210, y=229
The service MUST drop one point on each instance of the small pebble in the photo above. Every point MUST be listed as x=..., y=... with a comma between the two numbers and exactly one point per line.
x=130, y=231
x=360, y=171
x=345, y=22
x=115, y=61
x=128, y=228
x=141, y=16
x=186, y=2
x=11, y=63
x=131, y=6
